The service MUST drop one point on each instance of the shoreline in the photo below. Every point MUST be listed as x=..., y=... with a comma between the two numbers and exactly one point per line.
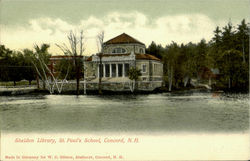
x=33, y=90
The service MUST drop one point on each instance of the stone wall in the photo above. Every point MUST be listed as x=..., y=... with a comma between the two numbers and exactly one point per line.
x=154, y=70
x=114, y=86
x=128, y=47
x=139, y=64
x=91, y=70
x=157, y=71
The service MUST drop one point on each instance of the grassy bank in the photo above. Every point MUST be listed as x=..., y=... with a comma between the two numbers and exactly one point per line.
x=19, y=83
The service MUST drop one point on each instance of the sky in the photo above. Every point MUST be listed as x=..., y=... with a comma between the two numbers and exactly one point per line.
x=24, y=23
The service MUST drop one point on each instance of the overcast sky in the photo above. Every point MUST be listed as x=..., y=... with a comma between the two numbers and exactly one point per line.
x=26, y=22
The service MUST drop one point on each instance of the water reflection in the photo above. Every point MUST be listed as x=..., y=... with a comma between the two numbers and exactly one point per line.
x=122, y=113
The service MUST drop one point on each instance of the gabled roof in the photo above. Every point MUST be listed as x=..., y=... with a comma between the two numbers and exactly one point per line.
x=123, y=39
x=146, y=57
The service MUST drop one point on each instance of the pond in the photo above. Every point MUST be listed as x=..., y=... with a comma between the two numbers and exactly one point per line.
x=175, y=112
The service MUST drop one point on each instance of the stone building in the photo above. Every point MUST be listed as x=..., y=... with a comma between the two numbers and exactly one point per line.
x=118, y=56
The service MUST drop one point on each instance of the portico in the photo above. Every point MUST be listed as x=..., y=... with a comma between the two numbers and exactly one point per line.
x=113, y=69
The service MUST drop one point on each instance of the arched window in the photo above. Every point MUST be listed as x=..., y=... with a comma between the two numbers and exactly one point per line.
x=118, y=50
x=141, y=51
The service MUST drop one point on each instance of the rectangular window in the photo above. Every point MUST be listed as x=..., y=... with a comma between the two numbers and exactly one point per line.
x=113, y=66
x=119, y=70
x=144, y=68
x=100, y=70
x=107, y=70
x=155, y=68
x=126, y=69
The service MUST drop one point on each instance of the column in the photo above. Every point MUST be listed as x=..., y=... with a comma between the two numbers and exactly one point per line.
x=104, y=71
x=110, y=71
x=123, y=70
x=98, y=70
x=116, y=70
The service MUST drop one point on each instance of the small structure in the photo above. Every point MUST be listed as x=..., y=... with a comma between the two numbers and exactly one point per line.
x=56, y=59
x=119, y=55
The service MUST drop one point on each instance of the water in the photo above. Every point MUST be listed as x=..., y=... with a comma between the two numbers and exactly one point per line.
x=182, y=112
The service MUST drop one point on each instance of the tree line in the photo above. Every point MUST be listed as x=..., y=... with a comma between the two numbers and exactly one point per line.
x=226, y=56
x=15, y=66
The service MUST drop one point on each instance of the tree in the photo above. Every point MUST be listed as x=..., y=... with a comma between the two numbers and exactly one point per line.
x=170, y=59
x=75, y=51
x=228, y=37
x=40, y=60
x=65, y=69
x=15, y=67
x=242, y=40
x=30, y=59
x=184, y=69
x=100, y=45
x=5, y=60
x=217, y=36
x=231, y=56
x=156, y=50
x=230, y=65
x=200, y=57
x=28, y=71
x=133, y=75
x=215, y=47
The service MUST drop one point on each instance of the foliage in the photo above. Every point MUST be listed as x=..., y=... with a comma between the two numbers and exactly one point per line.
x=15, y=66
x=234, y=72
x=156, y=50
x=134, y=73
x=65, y=67
x=39, y=60
x=227, y=51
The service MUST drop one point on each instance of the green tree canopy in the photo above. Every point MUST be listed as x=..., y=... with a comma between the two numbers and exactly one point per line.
x=133, y=73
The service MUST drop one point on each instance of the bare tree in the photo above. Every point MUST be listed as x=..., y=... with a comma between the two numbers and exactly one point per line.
x=100, y=38
x=40, y=55
x=62, y=75
x=170, y=76
x=40, y=59
x=40, y=62
x=75, y=50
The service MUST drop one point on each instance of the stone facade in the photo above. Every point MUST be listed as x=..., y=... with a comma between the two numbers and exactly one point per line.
x=136, y=48
x=119, y=55
x=154, y=70
x=112, y=86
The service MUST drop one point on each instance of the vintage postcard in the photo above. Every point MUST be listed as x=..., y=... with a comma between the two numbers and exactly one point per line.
x=124, y=80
